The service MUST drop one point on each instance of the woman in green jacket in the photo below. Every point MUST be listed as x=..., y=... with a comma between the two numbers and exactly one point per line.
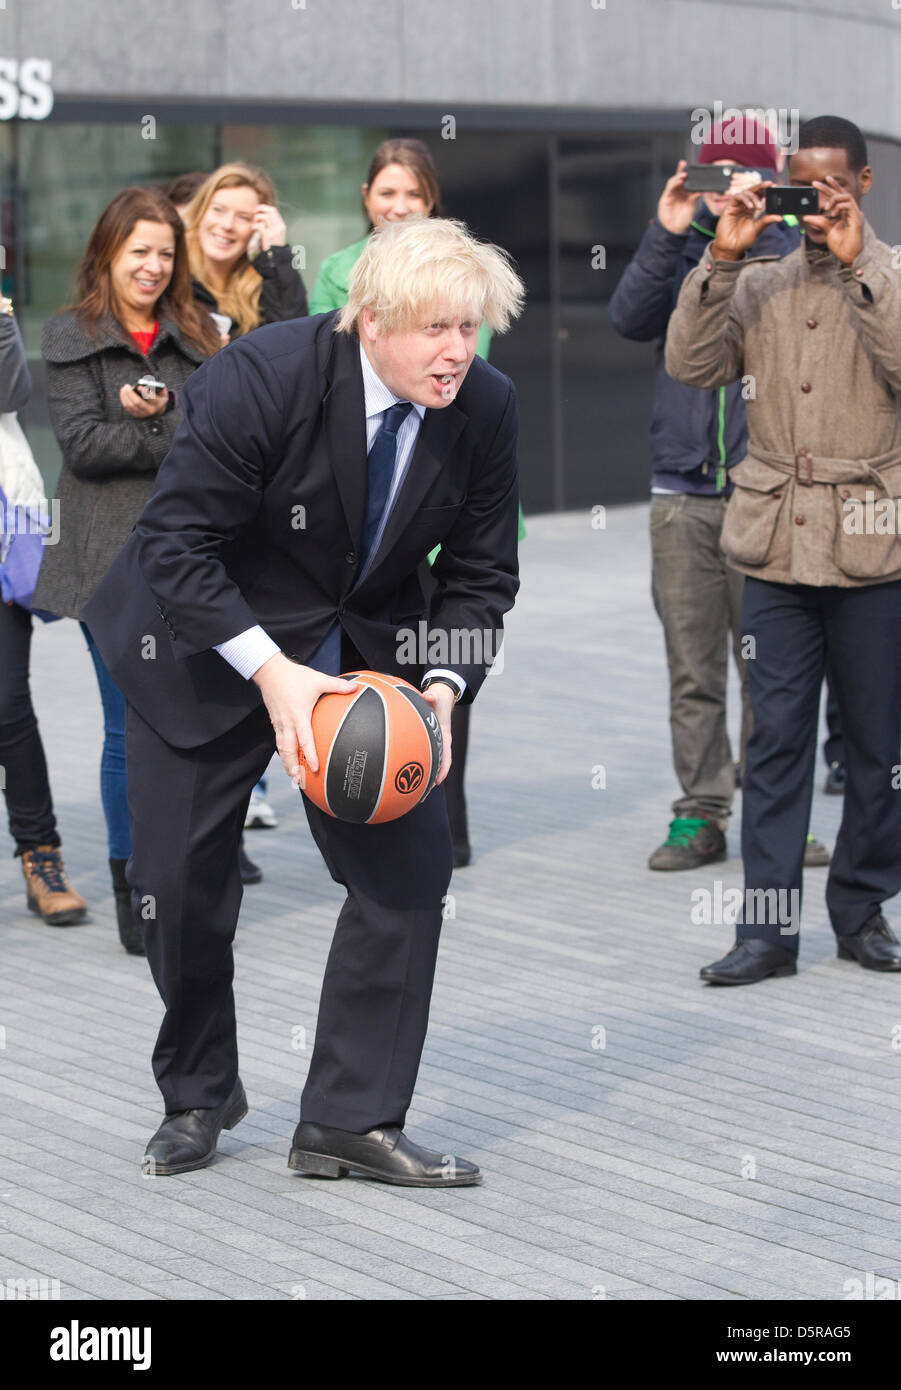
x=402, y=182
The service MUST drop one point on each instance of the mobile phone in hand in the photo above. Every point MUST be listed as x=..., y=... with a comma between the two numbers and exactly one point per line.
x=149, y=389
x=709, y=178
x=788, y=201
x=716, y=178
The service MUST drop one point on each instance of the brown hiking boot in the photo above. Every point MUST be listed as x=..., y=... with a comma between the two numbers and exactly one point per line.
x=49, y=892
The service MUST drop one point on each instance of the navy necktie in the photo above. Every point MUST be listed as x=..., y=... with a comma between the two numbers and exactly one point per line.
x=379, y=473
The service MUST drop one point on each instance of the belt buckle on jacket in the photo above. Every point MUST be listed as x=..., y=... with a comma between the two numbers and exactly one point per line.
x=804, y=454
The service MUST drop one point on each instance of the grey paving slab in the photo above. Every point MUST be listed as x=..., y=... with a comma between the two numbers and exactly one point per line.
x=613, y=1102
x=456, y=1297
x=178, y=1289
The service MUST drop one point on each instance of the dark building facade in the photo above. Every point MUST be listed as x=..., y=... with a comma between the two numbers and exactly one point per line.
x=567, y=189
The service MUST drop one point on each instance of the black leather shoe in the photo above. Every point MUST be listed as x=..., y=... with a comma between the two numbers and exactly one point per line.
x=250, y=872
x=835, y=780
x=187, y=1138
x=462, y=855
x=750, y=960
x=874, y=946
x=386, y=1154
x=130, y=933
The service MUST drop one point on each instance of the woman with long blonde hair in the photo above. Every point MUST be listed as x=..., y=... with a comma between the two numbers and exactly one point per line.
x=244, y=274
x=237, y=245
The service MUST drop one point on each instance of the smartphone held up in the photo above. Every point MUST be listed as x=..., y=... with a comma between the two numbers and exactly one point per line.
x=790, y=201
x=717, y=178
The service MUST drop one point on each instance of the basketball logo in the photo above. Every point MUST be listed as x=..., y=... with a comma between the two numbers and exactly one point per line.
x=409, y=777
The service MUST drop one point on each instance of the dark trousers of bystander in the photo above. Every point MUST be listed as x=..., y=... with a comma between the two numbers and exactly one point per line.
x=23, y=766
x=797, y=631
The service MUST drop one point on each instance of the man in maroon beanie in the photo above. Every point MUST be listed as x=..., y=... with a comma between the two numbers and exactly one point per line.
x=696, y=437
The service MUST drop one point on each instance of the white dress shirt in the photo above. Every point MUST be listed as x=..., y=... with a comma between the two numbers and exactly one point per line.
x=252, y=648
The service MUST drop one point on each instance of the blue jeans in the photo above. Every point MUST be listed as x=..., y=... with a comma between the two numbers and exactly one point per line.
x=113, y=779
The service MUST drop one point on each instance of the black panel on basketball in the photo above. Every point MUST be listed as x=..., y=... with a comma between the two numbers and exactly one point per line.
x=357, y=761
x=436, y=742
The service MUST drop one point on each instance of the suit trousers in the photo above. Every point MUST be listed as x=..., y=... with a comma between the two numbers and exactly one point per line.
x=798, y=630
x=187, y=809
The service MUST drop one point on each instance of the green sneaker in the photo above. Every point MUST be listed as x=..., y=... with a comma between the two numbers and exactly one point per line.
x=690, y=843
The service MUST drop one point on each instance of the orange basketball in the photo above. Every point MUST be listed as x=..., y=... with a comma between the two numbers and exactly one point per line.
x=379, y=750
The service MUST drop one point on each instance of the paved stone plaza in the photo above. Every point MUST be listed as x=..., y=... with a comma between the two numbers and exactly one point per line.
x=641, y=1136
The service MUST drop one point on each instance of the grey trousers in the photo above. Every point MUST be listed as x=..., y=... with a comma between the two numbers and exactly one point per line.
x=697, y=595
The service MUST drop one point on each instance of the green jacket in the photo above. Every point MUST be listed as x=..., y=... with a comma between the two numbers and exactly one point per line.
x=330, y=292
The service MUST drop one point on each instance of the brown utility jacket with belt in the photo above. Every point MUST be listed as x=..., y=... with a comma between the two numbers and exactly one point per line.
x=818, y=345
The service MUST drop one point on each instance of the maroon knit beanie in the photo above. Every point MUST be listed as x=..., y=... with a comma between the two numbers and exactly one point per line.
x=754, y=147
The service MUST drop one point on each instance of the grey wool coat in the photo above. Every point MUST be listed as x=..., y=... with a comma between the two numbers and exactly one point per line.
x=819, y=344
x=110, y=459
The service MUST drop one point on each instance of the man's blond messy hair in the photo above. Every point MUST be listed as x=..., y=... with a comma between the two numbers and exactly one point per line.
x=413, y=271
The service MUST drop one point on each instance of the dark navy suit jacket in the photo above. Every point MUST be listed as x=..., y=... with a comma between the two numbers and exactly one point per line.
x=257, y=514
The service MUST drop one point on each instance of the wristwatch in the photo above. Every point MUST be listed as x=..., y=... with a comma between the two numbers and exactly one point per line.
x=443, y=680
x=6, y=306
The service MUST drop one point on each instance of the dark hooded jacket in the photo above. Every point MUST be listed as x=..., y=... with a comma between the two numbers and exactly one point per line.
x=282, y=296
x=696, y=436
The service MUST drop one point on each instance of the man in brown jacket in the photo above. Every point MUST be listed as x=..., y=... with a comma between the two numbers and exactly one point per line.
x=816, y=337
